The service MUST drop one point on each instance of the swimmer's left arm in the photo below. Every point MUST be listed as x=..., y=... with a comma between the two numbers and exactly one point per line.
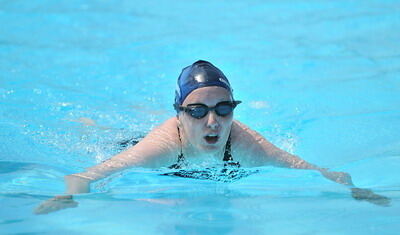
x=292, y=161
x=266, y=153
x=281, y=158
x=263, y=152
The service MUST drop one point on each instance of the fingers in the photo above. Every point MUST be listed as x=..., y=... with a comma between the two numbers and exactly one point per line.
x=55, y=204
x=370, y=196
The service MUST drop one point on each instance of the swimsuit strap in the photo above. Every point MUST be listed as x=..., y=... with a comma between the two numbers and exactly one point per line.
x=227, y=153
x=180, y=141
x=228, y=159
x=178, y=164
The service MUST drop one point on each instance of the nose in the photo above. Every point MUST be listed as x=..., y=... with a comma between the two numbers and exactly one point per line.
x=212, y=121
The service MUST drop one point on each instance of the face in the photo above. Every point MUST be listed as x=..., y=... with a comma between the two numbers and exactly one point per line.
x=200, y=132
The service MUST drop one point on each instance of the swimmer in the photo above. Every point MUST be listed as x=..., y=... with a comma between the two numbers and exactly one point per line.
x=203, y=130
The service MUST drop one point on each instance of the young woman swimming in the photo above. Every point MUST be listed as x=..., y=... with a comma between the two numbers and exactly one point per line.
x=203, y=131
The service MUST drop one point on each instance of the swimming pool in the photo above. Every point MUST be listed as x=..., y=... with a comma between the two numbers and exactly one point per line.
x=319, y=79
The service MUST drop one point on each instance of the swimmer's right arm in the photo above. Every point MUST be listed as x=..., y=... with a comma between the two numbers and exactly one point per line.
x=76, y=184
x=158, y=148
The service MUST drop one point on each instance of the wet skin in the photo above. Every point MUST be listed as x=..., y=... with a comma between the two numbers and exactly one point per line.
x=194, y=131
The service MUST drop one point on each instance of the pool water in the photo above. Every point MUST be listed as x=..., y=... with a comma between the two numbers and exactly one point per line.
x=319, y=79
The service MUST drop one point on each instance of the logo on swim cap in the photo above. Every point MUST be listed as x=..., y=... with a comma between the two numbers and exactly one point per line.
x=178, y=90
x=224, y=81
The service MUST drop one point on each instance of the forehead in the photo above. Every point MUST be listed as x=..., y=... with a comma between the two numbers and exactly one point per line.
x=208, y=95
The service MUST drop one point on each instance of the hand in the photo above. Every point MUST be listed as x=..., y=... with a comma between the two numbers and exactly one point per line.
x=55, y=204
x=368, y=195
x=338, y=177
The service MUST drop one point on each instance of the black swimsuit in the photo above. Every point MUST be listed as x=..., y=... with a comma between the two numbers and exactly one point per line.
x=230, y=172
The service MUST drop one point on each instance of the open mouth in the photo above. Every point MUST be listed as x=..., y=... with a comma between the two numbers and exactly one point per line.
x=211, y=139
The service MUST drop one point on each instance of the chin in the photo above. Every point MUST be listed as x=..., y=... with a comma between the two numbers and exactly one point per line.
x=211, y=148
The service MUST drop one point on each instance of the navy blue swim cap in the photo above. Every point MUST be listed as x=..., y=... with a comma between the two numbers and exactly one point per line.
x=199, y=74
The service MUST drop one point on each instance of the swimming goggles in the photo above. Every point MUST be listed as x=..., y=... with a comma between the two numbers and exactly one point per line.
x=199, y=111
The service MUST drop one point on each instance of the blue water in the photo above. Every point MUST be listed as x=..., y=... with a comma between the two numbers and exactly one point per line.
x=319, y=79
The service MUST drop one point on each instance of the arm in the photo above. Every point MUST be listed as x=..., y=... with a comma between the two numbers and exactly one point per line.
x=265, y=153
x=158, y=148
x=262, y=152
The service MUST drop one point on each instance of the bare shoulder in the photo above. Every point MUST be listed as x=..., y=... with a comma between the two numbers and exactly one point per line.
x=169, y=129
x=159, y=147
x=249, y=146
x=166, y=133
x=241, y=133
